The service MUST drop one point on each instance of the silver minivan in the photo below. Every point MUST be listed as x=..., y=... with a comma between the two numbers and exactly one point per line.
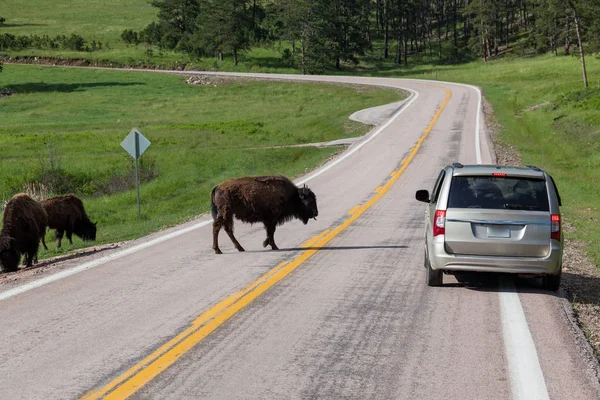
x=492, y=218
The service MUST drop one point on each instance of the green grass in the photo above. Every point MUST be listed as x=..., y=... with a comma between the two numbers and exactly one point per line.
x=200, y=136
x=100, y=20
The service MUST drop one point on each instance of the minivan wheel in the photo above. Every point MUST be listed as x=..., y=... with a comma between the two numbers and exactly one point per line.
x=551, y=282
x=433, y=277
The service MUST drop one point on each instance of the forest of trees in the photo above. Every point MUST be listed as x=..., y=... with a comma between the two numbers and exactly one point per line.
x=327, y=33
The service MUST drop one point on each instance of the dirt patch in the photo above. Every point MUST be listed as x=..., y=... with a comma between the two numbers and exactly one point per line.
x=218, y=80
x=581, y=280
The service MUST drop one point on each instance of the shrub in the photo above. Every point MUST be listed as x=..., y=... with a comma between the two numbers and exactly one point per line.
x=151, y=34
x=74, y=42
x=287, y=58
x=130, y=36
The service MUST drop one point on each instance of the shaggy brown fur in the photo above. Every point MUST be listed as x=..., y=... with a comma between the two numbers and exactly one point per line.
x=66, y=214
x=23, y=226
x=271, y=200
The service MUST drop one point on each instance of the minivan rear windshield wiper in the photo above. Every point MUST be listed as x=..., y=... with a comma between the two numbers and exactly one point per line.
x=521, y=207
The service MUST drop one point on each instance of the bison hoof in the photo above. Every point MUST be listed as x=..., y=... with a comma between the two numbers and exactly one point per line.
x=218, y=251
x=241, y=248
x=266, y=243
x=273, y=247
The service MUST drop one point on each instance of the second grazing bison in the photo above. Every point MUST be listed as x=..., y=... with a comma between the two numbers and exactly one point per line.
x=66, y=214
x=23, y=226
x=271, y=200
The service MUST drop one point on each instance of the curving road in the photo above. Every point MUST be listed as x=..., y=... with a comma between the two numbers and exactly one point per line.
x=340, y=312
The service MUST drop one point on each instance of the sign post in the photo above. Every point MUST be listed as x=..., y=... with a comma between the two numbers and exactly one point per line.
x=135, y=144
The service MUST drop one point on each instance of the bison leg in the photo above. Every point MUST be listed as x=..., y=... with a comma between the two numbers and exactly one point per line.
x=44, y=241
x=70, y=236
x=59, y=235
x=217, y=224
x=270, y=240
x=29, y=259
x=229, y=229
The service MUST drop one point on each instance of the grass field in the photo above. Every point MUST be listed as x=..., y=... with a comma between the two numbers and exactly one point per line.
x=100, y=20
x=201, y=135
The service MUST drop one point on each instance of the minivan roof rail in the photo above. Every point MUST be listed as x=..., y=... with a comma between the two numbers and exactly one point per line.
x=533, y=167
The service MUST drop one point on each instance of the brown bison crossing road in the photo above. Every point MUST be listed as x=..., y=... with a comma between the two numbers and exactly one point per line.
x=354, y=319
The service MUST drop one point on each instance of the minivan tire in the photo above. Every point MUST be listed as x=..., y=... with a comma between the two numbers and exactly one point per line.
x=551, y=282
x=433, y=277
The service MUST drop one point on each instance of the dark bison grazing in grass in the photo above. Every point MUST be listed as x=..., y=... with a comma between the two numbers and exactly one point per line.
x=23, y=226
x=271, y=200
x=66, y=214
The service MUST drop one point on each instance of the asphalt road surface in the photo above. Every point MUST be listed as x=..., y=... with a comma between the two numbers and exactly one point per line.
x=340, y=312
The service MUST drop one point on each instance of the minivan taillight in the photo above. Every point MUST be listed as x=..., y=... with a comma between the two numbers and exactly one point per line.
x=555, y=223
x=439, y=222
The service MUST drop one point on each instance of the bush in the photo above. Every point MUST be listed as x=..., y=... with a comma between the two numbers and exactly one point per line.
x=287, y=58
x=74, y=42
x=151, y=34
x=130, y=36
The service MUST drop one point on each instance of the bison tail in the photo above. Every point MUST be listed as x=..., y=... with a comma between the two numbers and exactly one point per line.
x=213, y=207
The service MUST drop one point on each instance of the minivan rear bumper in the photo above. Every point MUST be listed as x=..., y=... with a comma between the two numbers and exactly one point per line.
x=441, y=260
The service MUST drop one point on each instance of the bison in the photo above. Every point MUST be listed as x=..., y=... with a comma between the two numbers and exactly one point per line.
x=271, y=200
x=23, y=226
x=66, y=214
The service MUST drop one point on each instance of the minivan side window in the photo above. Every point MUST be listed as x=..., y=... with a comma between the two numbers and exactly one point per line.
x=556, y=190
x=435, y=193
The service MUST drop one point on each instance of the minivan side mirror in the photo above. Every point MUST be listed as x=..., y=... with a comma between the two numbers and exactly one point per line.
x=422, y=195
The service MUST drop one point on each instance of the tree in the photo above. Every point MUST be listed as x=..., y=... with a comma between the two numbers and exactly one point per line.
x=342, y=27
x=573, y=8
x=224, y=26
x=177, y=20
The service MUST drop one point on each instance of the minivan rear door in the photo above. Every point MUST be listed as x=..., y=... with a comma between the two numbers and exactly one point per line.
x=498, y=216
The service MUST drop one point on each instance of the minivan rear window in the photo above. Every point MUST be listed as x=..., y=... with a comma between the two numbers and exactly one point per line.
x=491, y=192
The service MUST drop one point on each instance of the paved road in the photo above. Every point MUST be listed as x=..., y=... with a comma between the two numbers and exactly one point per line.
x=346, y=317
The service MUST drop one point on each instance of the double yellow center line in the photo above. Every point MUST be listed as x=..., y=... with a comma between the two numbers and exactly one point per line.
x=144, y=371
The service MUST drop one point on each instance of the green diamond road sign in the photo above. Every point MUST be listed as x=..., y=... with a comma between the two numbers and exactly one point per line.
x=135, y=143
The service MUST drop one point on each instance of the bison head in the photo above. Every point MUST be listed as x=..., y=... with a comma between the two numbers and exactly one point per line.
x=86, y=230
x=309, y=200
x=9, y=255
x=89, y=233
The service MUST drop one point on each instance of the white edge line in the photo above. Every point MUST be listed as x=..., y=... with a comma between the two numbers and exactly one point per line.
x=526, y=377
x=94, y=263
